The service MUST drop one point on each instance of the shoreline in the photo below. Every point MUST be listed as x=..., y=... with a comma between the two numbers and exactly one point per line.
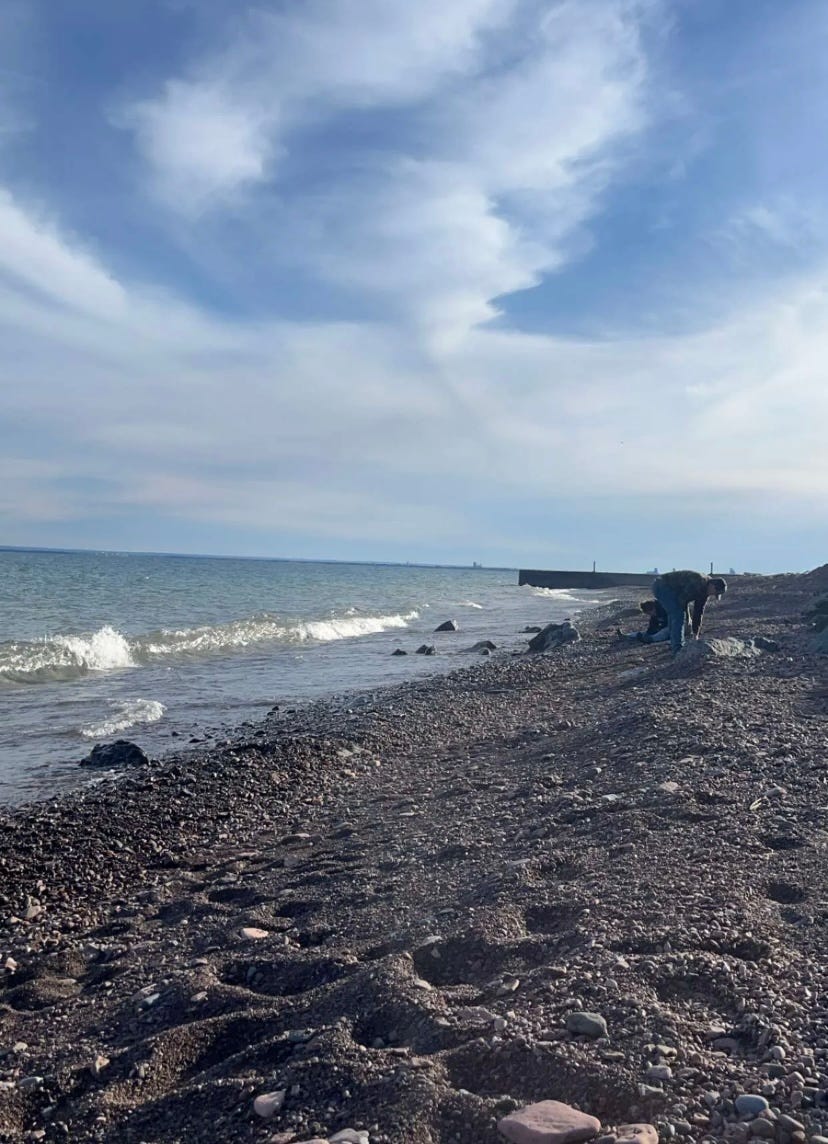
x=512, y=822
x=164, y=699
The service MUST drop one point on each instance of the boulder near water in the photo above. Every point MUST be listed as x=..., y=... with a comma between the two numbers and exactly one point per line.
x=121, y=753
x=554, y=635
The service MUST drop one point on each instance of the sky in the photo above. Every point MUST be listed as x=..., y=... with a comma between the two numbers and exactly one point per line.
x=531, y=283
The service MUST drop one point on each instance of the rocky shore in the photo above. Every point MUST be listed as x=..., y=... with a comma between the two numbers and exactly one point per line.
x=594, y=877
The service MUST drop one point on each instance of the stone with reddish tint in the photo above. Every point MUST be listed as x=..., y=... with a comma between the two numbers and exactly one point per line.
x=636, y=1134
x=253, y=933
x=548, y=1122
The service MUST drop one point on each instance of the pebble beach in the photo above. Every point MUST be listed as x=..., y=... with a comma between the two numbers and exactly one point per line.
x=422, y=915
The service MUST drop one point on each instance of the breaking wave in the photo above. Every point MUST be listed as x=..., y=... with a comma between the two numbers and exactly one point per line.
x=66, y=657
x=125, y=713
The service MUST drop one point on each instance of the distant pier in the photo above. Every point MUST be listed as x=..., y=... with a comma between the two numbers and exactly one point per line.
x=540, y=579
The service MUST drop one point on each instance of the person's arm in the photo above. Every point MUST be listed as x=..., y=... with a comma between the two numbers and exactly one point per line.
x=698, y=612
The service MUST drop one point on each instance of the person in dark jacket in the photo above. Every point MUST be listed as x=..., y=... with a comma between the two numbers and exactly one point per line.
x=679, y=591
x=656, y=630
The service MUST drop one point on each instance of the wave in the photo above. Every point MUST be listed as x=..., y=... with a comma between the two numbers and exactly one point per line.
x=66, y=657
x=563, y=595
x=125, y=713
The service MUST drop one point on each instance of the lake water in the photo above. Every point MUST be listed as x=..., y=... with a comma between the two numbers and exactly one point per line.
x=98, y=645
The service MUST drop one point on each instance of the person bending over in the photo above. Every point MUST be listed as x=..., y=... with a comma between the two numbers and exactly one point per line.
x=656, y=631
x=679, y=591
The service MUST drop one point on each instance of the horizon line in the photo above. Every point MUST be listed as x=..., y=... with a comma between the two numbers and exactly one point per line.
x=280, y=559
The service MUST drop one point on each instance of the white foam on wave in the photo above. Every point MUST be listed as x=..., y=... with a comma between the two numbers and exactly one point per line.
x=125, y=713
x=105, y=650
x=67, y=657
x=563, y=595
x=469, y=604
x=326, y=630
x=264, y=629
x=64, y=657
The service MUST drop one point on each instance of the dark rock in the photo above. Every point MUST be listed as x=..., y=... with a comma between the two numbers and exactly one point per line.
x=586, y=1024
x=531, y=628
x=764, y=644
x=399, y=651
x=425, y=649
x=817, y=615
x=483, y=645
x=554, y=635
x=448, y=626
x=121, y=753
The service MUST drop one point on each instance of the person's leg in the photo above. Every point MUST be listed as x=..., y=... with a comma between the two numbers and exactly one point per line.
x=660, y=636
x=675, y=614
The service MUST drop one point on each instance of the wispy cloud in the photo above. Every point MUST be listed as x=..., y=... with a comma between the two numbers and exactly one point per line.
x=36, y=259
x=220, y=128
x=516, y=117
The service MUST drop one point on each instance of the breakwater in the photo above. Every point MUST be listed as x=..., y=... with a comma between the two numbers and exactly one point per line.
x=540, y=579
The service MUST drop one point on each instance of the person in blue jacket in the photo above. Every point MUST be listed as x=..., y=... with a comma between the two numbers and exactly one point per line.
x=678, y=592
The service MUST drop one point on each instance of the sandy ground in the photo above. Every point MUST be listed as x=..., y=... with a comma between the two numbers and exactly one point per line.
x=387, y=912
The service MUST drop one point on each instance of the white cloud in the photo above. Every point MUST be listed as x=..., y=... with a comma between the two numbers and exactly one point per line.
x=217, y=130
x=33, y=255
x=500, y=177
x=203, y=143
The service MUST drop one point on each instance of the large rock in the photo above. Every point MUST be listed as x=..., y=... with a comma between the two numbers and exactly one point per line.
x=817, y=614
x=447, y=626
x=483, y=645
x=548, y=1122
x=121, y=753
x=554, y=635
x=822, y=642
x=696, y=652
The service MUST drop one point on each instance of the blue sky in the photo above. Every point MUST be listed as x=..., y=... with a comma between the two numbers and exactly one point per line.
x=531, y=283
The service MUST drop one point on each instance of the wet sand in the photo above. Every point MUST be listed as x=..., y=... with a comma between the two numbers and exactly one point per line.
x=385, y=911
